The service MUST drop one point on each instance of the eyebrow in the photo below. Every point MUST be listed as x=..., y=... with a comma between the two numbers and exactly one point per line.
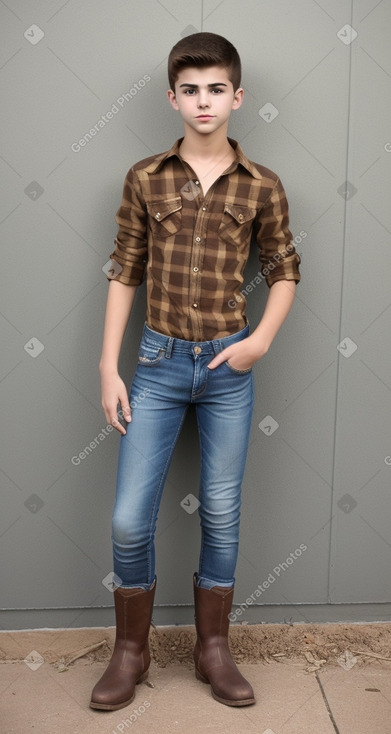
x=195, y=86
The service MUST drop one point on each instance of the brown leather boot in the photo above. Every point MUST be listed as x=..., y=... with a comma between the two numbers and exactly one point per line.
x=212, y=657
x=131, y=658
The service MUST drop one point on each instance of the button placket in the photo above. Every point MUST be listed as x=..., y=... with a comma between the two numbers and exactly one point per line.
x=196, y=261
x=196, y=269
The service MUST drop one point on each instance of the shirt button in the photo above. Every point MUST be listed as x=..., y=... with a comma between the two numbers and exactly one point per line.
x=158, y=215
x=195, y=270
x=240, y=217
x=196, y=182
x=195, y=305
x=198, y=239
x=204, y=208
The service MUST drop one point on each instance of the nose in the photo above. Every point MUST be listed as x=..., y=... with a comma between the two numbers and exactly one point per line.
x=203, y=99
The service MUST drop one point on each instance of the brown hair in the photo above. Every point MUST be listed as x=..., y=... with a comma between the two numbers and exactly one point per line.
x=201, y=50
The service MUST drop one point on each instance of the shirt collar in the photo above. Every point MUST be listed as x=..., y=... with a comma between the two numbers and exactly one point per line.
x=240, y=157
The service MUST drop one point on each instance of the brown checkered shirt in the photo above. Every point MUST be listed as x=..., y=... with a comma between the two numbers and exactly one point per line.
x=194, y=248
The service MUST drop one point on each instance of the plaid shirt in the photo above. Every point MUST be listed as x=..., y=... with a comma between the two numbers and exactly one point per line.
x=194, y=248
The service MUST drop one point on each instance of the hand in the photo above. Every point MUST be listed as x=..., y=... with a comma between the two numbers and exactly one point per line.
x=113, y=392
x=241, y=355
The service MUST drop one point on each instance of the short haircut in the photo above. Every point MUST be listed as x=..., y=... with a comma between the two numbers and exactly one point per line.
x=202, y=50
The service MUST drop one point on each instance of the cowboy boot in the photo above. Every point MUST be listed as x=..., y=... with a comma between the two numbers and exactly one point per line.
x=212, y=657
x=131, y=658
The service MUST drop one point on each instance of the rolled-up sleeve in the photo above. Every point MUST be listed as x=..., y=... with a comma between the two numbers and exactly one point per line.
x=131, y=247
x=277, y=253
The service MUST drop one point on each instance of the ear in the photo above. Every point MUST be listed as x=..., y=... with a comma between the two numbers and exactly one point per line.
x=238, y=98
x=172, y=99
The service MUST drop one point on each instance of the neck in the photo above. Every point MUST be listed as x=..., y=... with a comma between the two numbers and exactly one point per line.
x=205, y=147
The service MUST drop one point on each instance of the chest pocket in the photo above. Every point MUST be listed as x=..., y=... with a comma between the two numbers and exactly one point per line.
x=165, y=216
x=236, y=223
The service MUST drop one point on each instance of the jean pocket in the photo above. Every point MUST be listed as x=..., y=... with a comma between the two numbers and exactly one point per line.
x=150, y=354
x=235, y=371
x=165, y=216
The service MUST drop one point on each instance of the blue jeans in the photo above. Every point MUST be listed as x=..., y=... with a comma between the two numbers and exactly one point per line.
x=171, y=374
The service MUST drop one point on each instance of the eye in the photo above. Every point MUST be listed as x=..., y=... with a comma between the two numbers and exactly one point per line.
x=189, y=92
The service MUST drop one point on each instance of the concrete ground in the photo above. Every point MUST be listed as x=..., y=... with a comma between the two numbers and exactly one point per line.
x=333, y=700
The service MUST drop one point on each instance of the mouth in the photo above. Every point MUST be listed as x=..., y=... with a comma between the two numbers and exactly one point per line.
x=204, y=117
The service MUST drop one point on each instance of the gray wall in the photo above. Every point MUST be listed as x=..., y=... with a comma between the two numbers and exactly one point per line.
x=316, y=490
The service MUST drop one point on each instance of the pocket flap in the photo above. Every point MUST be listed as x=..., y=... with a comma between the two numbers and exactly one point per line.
x=159, y=210
x=240, y=213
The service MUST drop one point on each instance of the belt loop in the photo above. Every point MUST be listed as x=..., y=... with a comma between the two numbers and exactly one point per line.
x=217, y=346
x=169, y=346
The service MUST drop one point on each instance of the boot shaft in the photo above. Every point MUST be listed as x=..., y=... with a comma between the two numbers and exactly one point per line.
x=212, y=607
x=133, y=612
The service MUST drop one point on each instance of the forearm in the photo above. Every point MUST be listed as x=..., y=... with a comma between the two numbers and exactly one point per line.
x=278, y=305
x=120, y=299
x=243, y=354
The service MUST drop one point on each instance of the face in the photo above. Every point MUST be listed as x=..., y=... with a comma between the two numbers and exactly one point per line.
x=205, y=98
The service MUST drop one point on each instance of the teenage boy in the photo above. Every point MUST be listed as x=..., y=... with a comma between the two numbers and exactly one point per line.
x=186, y=219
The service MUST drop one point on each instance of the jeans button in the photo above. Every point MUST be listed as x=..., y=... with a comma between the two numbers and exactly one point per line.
x=197, y=350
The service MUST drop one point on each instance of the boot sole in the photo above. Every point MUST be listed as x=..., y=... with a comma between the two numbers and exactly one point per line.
x=116, y=706
x=228, y=702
